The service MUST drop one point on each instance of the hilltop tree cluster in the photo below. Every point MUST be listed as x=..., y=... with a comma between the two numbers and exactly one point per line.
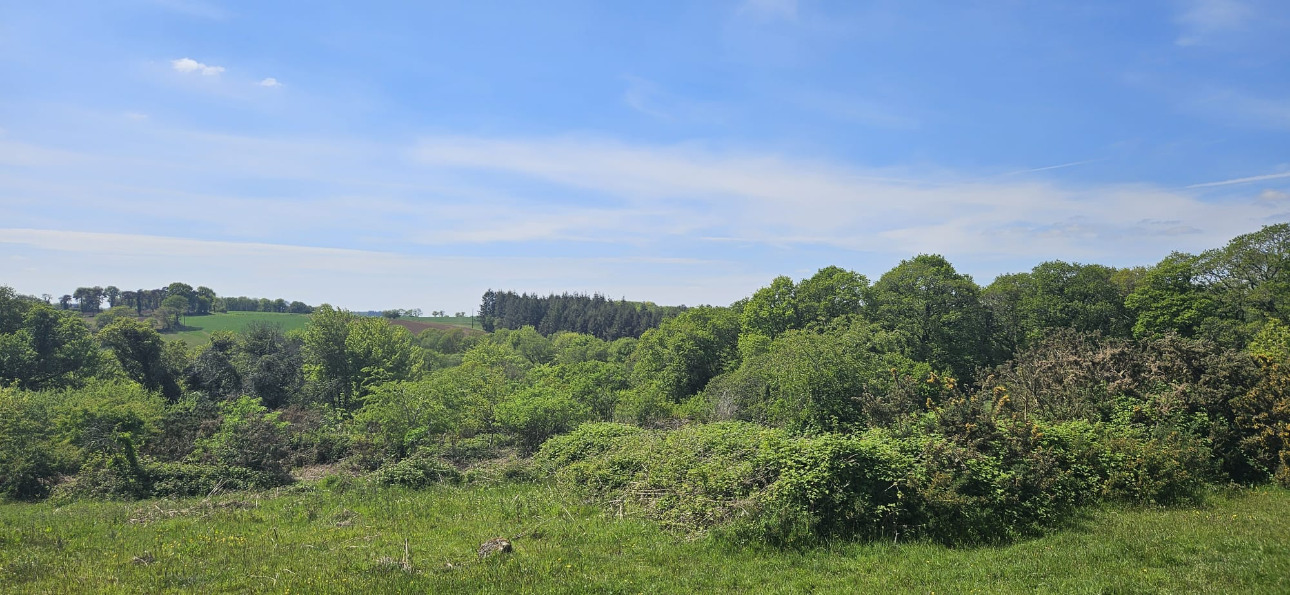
x=167, y=305
x=919, y=404
x=592, y=315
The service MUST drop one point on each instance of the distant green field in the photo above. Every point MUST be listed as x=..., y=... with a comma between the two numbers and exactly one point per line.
x=199, y=328
x=376, y=540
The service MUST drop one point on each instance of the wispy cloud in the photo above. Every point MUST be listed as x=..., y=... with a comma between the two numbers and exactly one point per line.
x=1274, y=196
x=1262, y=178
x=772, y=199
x=507, y=205
x=1032, y=170
x=647, y=97
x=269, y=82
x=189, y=65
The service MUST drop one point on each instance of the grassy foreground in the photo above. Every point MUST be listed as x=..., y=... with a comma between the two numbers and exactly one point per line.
x=198, y=329
x=319, y=541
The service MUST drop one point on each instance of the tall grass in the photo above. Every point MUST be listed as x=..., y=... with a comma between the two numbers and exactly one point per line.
x=368, y=539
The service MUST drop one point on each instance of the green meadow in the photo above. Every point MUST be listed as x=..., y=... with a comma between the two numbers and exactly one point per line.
x=354, y=537
x=198, y=329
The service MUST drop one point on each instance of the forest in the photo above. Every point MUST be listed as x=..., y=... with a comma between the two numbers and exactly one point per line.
x=914, y=406
x=587, y=314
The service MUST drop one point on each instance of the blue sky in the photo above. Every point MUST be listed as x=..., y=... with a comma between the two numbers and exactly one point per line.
x=415, y=155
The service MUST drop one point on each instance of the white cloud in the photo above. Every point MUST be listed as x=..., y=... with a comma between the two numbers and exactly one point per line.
x=1274, y=196
x=136, y=116
x=188, y=65
x=773, y=200
x=453, y=215
x=356, y=279
x=269, y=82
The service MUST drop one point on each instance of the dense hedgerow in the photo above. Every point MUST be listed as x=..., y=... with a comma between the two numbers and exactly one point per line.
x=758, y=483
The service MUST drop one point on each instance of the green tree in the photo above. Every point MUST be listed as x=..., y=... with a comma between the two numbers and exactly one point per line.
x=1084, y=297
x=1250, y=277
x=680, y=356
x=772, y=309
x=1007, y=321
x=346, y=356
x=270, y=363
x=42, y=347
x=833, y=292
x=1169, y=299
x=174, y=306
x=89, y=298
x=327, y=363
x=938, y=309
x=112, y=294
x=212, y=371
x=141, y=353
x=380, y=352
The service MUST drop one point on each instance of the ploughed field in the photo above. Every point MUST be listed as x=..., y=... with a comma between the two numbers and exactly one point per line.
x=340, y=535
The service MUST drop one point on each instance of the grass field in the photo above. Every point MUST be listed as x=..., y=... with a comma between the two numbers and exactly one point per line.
x=333, y=541
x=199, y=328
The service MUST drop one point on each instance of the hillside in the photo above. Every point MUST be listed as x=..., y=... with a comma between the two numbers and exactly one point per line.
x=198, y=329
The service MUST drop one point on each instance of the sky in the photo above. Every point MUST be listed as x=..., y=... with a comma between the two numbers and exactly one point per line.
x=412, y=155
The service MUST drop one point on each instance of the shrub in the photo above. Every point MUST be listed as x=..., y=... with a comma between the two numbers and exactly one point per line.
x=421, y=469
x=992, y=484
x=28, y=462
x=195, y=479
x=538, y=413
x=586, y=442
x=249, y=437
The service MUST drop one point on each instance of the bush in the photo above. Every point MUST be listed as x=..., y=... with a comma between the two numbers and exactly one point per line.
x=28, y=461
x=586, y=442
x=249, y=437
x=538, y=413
x=422, y=469
x=986, y=484
x=194, y=479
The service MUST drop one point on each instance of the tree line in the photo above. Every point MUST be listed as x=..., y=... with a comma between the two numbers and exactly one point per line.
x=171, y=302
x=594, y=314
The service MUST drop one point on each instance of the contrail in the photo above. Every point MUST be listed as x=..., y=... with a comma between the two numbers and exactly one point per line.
x=1242, y=180
x=1046, y=168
